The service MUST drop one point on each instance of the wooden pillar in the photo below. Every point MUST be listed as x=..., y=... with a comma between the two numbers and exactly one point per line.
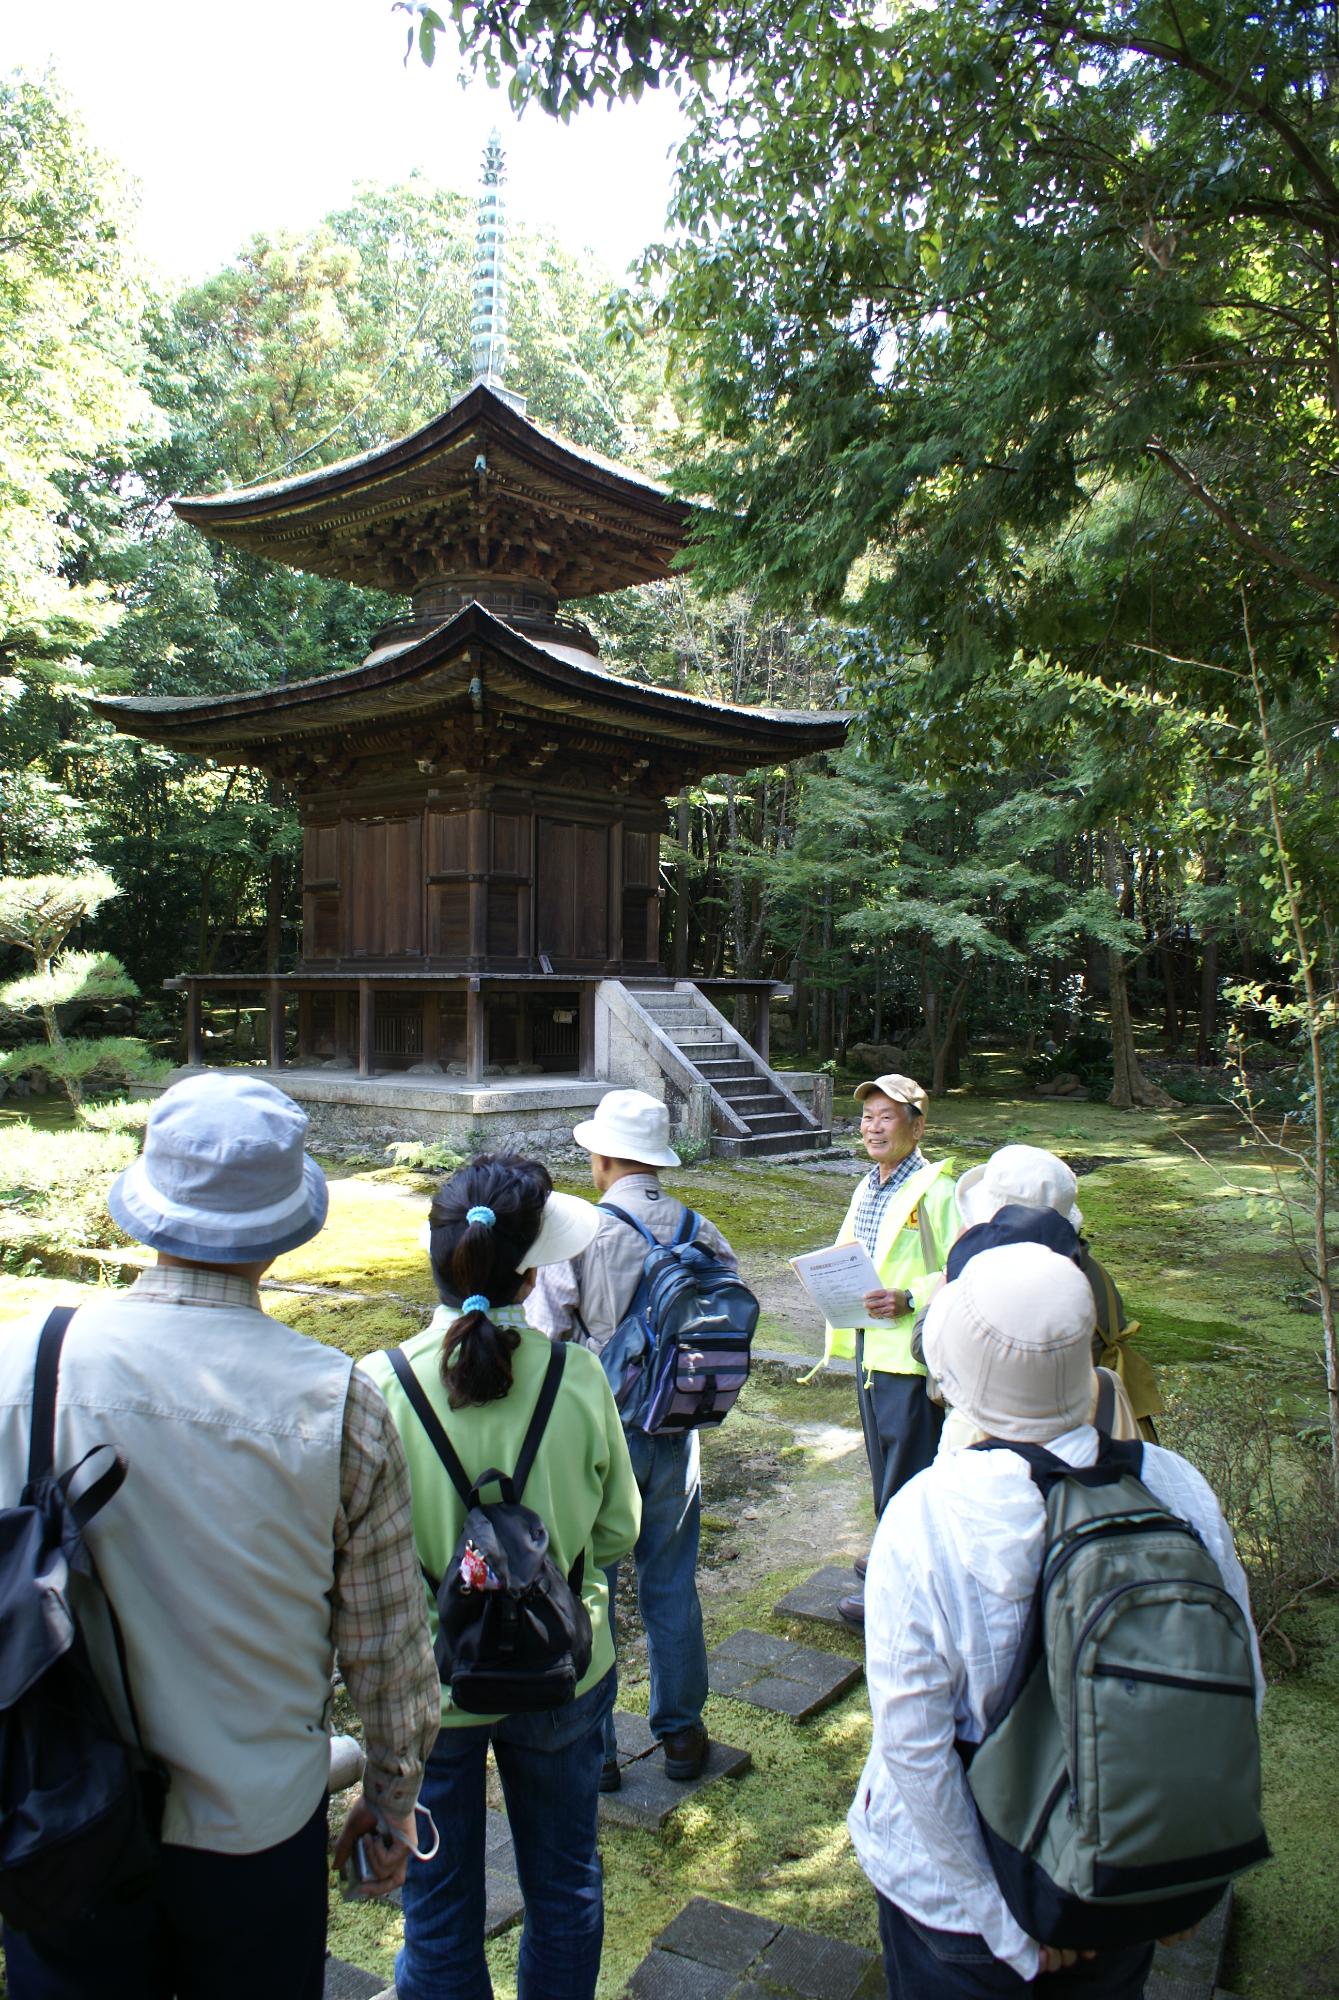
x=586, y=1031
x=762, y=1024
x=195, y=1038
x=275, y=998
x=366, y=1029
x=476, y=1039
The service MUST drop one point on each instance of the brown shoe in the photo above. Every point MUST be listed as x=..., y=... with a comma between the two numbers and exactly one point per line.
x=852, y=1610
x=686, y=1752
x=860, y=1565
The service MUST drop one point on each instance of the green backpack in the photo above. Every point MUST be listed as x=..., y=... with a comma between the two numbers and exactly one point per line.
x=1118, y=1783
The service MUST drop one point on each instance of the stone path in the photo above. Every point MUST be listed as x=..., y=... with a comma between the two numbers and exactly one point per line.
x=777, y=1674
x=350, y=1982
x=712, y=1951
x=647, y=1797
x=817, y=1596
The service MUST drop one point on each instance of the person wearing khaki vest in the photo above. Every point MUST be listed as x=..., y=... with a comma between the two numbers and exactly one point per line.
x=904, y=1213
x=263, y=1527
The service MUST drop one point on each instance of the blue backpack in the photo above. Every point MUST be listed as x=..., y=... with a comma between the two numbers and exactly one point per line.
x=680, y=1355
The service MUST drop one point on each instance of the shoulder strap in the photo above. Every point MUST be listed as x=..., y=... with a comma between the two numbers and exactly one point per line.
x=430, y=1420
x=1106, y=1399
x=610, y=1208
x=548, y=1396
x=689, y=1227
x=46, y=1371
x=1113, y=1461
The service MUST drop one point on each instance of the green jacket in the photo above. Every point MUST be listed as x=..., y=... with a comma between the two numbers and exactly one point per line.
x=900, y=1259
x=581, y=1484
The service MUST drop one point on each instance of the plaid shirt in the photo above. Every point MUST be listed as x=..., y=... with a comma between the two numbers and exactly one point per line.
x=377, y=1617
x=876, y=1194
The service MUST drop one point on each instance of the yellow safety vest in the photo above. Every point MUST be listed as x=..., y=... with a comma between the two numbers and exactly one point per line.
x=915, y=1232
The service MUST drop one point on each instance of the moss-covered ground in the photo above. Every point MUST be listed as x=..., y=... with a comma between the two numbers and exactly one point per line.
x=1171, y=1204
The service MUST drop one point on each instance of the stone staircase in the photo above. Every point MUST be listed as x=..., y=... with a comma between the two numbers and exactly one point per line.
x=753, y=1112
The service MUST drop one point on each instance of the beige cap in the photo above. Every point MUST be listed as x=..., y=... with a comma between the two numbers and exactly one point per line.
x=1010, y=1343
x=902, y=1090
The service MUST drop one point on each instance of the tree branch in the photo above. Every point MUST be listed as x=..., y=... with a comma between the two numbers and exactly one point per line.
x=1277, y=558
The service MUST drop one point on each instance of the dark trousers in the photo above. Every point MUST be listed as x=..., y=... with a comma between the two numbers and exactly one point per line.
x=900, y=1423
x=923, y=1964
x=214, y=1927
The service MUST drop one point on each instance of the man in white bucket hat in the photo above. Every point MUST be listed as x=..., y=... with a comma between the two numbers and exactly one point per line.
x=628, y=1141
x=1030, y=1177
x=951, y=1580
x=263, y=1527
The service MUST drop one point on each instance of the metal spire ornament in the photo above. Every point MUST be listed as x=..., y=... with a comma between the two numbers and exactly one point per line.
x=488, y=324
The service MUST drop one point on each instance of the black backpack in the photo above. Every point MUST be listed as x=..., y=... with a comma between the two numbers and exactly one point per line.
x=513, y=1635
x=80, y=1808
x=680, y=1355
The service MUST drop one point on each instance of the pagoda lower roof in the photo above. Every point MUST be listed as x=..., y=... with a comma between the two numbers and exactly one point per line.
x=519, y=679
x=479, y=490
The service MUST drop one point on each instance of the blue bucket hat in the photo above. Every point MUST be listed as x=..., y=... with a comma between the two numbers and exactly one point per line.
x=223, y=1178
x=1015, y=1224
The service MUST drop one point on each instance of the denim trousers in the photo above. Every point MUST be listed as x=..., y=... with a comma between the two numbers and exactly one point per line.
x=924, y=1964
x=549, y=1764
x=214, y=1926
x=667, y=1472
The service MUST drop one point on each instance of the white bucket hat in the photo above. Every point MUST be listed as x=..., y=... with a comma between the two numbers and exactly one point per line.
x=1010, y=1343
x=223, y=1178
x=568, y=1226
x=629, y=1125
x=1024, y=1174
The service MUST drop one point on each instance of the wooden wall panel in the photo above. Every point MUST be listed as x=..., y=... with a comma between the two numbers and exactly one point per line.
x=447, y=842
x=503, y=927
x=511, y=844
x=384, y=901
x=449, y=920
x=320, y=855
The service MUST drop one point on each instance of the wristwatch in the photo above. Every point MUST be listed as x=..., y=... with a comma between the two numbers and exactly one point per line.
x=911, y=1302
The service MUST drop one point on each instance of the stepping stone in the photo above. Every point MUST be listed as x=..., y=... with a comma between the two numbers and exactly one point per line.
x=1192, y=1967
x=777, y=1674
x=504, y=1904
x=647, y=1797
x=817, y=1597
x=714, y=1952
x=350, y=1982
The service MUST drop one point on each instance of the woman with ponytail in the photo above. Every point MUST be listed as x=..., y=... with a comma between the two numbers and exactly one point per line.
x=481, y=1367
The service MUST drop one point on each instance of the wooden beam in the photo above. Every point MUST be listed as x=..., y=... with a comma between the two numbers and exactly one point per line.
x=195, y=1039
x=276, y=999
x=366, y=1029
x=476, y=1038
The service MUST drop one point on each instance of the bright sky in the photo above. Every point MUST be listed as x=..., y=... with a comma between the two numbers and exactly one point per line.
x=262, y=114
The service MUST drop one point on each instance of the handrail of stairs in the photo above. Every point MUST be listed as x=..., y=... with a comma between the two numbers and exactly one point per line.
x=670, y=1057
x=747, y=1053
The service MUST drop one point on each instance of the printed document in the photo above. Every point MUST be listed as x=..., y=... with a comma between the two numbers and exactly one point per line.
x=837, y=1281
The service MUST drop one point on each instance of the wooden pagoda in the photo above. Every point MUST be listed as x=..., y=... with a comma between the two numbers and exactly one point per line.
x=481, y=802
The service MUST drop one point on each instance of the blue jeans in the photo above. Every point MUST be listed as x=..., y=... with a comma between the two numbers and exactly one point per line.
x=924, y=1964
x=213, y=1926
x=667, y=1472
x=549, y=1764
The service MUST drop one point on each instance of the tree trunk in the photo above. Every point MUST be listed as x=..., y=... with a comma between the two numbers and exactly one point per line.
x=824, y=1023
x=1129, y=1087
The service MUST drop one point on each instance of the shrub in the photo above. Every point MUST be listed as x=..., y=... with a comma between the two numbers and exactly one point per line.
x=98, y=1067
x=1271, y=1474
x=424, y=1157
x=53, y=1190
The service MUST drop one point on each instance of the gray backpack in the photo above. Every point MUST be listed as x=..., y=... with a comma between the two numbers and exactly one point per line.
x=1118, y=1783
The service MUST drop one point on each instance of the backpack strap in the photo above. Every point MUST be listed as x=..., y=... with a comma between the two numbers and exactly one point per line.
x=543, y=1410
x=611, y=1208
x=1106, y=1400
x=46, y=1371
x=430, y=1420
x=689, y=1227
x=1113, y=1461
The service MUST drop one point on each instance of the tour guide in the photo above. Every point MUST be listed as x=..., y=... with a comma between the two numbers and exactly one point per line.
x=904, y=1213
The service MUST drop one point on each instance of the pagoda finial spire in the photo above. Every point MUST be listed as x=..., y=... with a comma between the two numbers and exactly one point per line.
x=488, y=326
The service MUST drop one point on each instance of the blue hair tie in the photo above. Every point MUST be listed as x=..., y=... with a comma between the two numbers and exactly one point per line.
x=481, y=1214
x=475, y=1303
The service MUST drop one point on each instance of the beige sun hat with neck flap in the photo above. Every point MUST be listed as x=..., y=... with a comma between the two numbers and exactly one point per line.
x=1010, y=1343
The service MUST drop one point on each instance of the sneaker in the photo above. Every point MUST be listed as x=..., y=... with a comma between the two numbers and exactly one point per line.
x=611, y=1775
x=686, y=1752
x=852, y=1610
x=860, y=1565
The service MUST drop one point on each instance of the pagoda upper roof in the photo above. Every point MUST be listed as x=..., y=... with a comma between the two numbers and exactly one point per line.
x=477, y=666
x=480, y=489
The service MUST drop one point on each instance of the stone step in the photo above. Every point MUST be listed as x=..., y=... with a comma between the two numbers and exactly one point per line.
x=699, y=1048
x=741, y=1093
x=727, y=1067
x=798, y=1140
